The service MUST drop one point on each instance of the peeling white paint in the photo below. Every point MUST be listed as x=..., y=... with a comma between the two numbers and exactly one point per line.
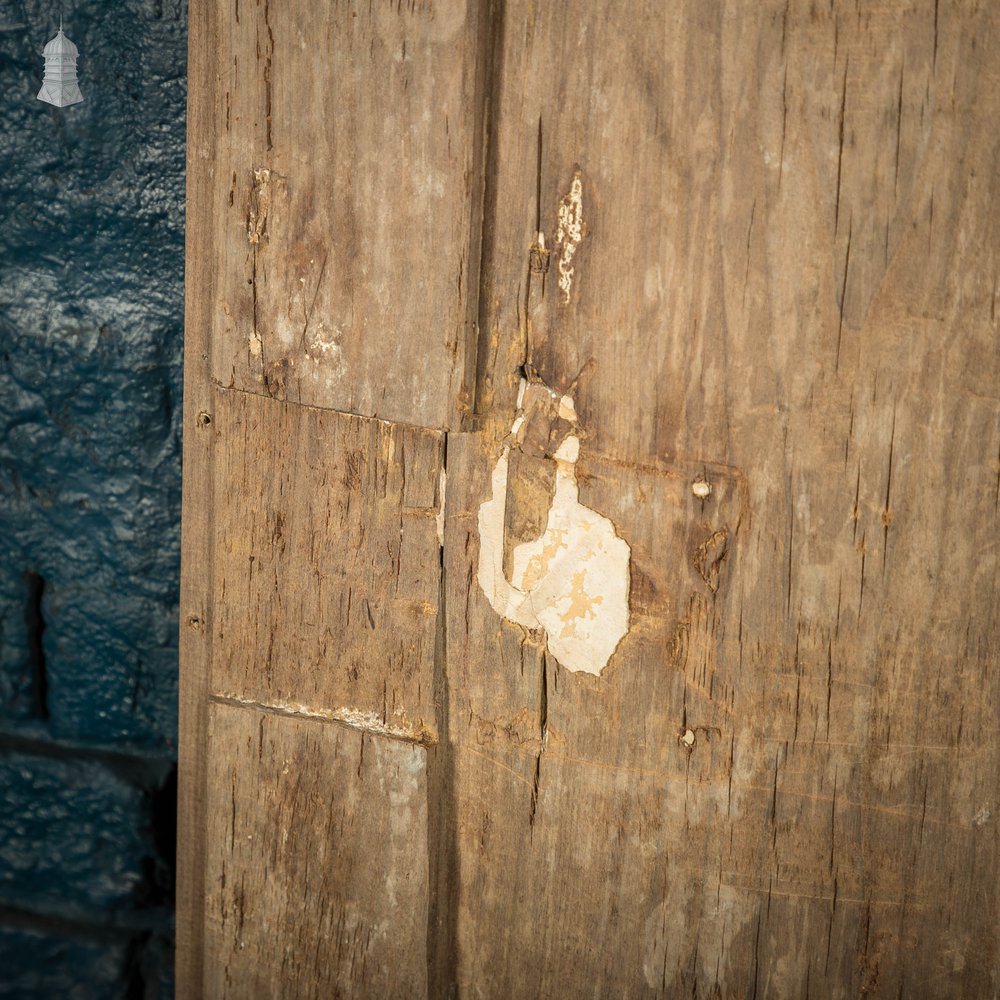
x=439, y=519
x=370, y=722
x=573, y=580
x=570, y=233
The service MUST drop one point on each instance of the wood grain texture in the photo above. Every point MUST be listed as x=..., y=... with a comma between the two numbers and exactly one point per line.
x=572, y=791
x=195, y=652
x=326, y=562
x=787, y=269
x=346, y=232
x=758, y=246
x=317, y=867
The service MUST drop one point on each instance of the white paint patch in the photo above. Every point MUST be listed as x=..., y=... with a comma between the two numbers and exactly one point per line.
x=431, y=184
x=323, y=350
x=573, y=580
x=324, y=341
x=570, y=233
x=442, y=487
x=702, y=489
x=367, y=722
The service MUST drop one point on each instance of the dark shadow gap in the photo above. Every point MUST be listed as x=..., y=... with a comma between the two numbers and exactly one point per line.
x=34, y=587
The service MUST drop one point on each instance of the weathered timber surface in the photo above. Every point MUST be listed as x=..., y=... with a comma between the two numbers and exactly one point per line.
x=345, y=227
x=573, y=791
x=755, y=248
x=786, y=267
x=198, y=511
x=317, y=869
x=326, y=562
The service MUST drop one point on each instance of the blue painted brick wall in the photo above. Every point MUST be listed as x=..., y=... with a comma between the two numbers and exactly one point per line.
x=61, y=966
x=91, y=305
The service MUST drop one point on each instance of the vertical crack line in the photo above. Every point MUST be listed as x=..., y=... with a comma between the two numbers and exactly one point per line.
x=843, y=292
x=937, y=12
x=861, y=585
x=840, y=153
x=538, y=181
x=482, y=249
x=442, y=816
x=256, y=326
x=899, y=125
x=856, y=510
x=996, y=502
x=543, y=729
x=887, y=510
x=34, y=588
x=535, y=781
x=543, y=699
x=538, y=256
x=791, y=539
x=829, y=686
x=784, y=108
x=267, y=72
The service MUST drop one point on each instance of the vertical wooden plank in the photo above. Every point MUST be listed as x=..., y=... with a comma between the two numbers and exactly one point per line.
x=325, y=559
x=334, y=172
x=328, y=560
x=317, y=867
x=196, y=533
x=347, y=226
x=757, y=248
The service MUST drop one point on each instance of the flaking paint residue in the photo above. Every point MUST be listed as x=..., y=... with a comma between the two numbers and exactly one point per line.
x=365, y=721
x=439, y=517
x=260, y=204
x=569, y=234
x=573, y=580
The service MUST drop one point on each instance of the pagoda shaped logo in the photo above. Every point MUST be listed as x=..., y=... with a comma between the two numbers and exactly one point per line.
x=59, y=87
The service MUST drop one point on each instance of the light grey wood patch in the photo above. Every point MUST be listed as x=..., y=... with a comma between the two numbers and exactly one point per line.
x=317, y=860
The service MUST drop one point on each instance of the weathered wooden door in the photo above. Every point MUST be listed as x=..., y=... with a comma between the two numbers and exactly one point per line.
x=592, y=483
